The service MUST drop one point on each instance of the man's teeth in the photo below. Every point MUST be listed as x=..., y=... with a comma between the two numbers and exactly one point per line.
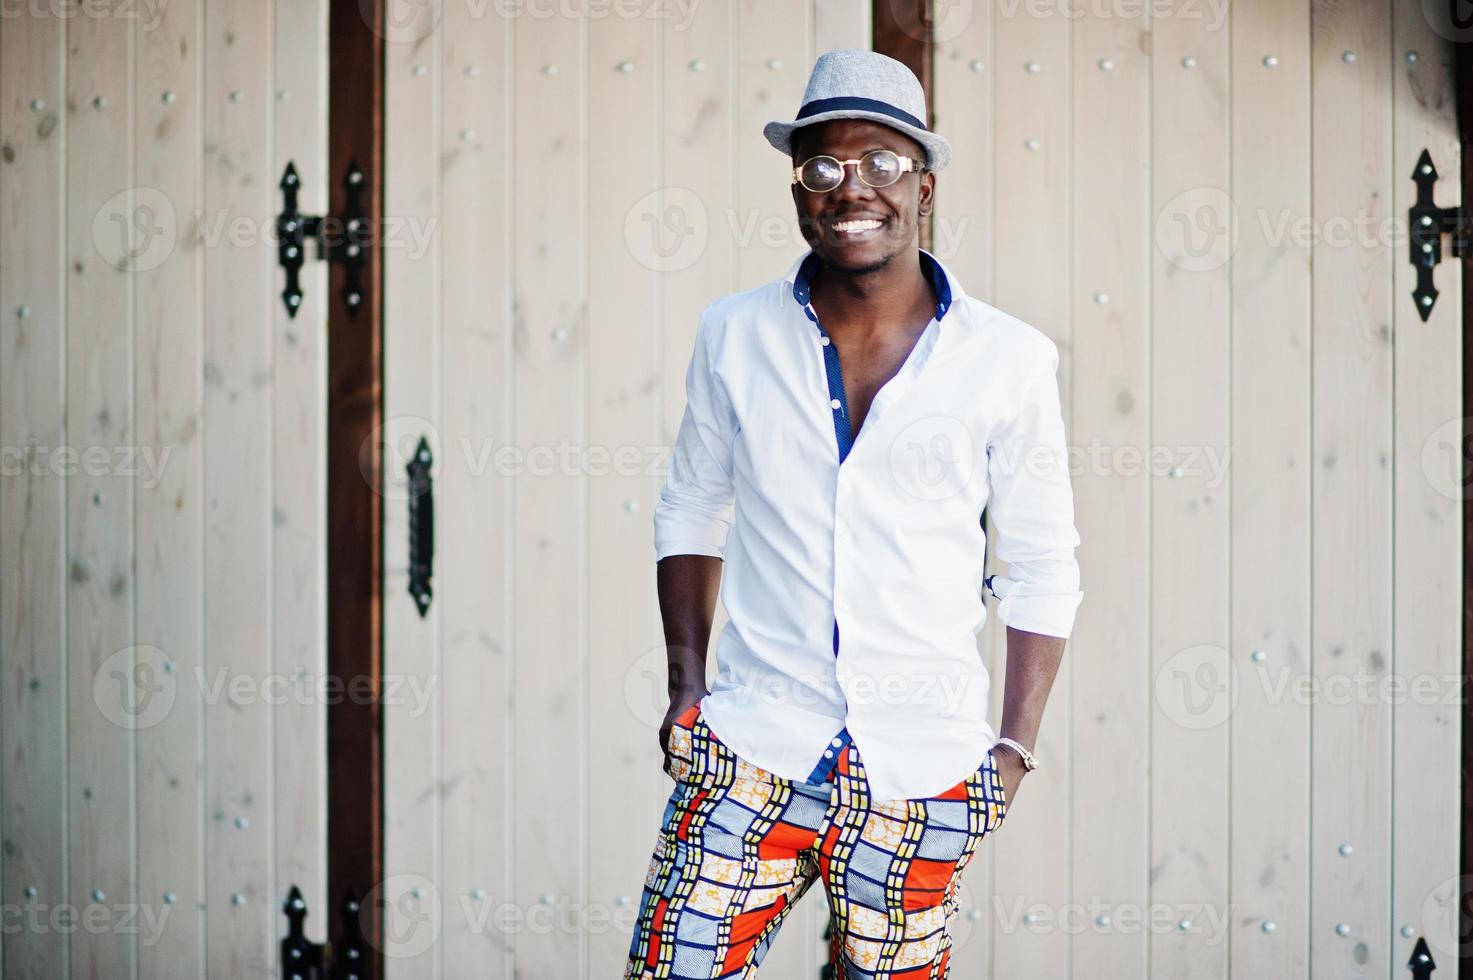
x=869, y=224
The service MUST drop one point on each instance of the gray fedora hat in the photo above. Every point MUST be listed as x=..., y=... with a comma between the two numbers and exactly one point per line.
x=851, y=83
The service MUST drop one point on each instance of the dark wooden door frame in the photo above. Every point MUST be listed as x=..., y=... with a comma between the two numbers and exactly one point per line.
x=354, y=479
x=902, y=29
x=1463, y=68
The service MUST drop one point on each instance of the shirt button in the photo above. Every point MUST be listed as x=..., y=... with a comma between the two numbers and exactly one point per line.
x=834, y=404
x=837, y=742
x=828, y=753
x=824, y=341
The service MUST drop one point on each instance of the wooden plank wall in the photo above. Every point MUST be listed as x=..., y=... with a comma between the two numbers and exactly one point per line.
x=1224, y=189
x=1351, y=474
x=169, y=397
x=1272, y=490
x=161, y=421
x=568, y=192
x=33, y=541
x=587, y=185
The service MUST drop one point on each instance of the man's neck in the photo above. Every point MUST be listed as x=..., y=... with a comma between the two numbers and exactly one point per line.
x=876, y=300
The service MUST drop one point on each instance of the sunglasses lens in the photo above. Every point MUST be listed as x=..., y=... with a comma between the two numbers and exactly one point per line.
x=821, y=174
x=879, y=168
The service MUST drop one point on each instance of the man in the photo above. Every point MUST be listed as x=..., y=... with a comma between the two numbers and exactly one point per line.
x=844, y=429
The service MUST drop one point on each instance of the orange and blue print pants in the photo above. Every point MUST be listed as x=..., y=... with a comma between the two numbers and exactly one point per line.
x=738, y=847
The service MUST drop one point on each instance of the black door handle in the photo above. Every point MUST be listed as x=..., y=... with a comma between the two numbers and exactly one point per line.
x=421, y=526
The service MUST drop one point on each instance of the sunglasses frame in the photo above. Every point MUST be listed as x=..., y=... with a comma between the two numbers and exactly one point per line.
x=907, y=165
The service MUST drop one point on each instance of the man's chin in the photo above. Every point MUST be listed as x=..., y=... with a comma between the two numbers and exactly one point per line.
x=857, y=259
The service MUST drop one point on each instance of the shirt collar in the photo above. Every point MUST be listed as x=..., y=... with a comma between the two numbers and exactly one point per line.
x=946, y=286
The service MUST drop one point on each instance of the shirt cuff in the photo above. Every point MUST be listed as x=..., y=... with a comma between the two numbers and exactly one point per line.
x=1023, y=608
x=682, y=534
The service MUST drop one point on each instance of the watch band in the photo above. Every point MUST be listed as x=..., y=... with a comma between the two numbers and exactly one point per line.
x=1030, y=762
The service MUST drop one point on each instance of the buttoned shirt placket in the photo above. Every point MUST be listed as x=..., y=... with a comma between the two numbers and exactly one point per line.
x=844, y=435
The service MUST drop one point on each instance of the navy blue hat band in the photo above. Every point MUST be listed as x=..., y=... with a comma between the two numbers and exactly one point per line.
x=855, y=102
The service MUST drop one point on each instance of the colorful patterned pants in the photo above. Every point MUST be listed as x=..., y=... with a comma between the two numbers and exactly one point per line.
x=739, y=846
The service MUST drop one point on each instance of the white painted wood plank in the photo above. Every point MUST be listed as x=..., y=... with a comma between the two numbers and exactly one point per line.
x=1107, y=658
x=698, y=165
x=100, y=426
x=299, y=474
x=1428, y=516
x=411, y=890
x=962, y=226
x=551, y=641
x=1271, y=464
x=772, y=65
x=685, y=235
x=474, y=575
x=625, y=360
x=243, y=919
x=170, y=496
x=1189, y=414
x=1352, y=446
x=841, y=24
x=1031, y=200
x=33, y=592
x=961, y=231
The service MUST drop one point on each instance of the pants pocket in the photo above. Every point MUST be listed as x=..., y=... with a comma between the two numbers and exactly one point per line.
x=679, y=755
x=990, y=795
x=997, y=785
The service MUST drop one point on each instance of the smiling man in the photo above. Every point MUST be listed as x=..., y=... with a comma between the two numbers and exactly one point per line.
x=845, y=428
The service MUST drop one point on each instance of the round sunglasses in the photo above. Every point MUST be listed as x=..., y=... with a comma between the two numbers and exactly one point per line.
x=877, y=168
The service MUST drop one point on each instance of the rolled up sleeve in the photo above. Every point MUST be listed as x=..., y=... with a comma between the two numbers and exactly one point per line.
x=1032, y=504
x=696, y=509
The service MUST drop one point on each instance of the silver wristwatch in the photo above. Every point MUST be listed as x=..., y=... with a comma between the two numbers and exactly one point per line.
x=1030, y=762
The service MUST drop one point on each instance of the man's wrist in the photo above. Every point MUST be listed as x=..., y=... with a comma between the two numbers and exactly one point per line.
x=1030, y=761
x=686, y=693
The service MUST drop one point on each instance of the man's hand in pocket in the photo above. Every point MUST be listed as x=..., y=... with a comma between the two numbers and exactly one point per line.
x=680, y=702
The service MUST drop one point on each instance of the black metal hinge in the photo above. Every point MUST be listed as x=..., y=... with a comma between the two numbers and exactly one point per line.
x=302, y=959
x=1421, y=963
x=1428, y=223
x=344, y=238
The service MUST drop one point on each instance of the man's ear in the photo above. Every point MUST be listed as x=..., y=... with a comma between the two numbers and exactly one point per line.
x=927, y=193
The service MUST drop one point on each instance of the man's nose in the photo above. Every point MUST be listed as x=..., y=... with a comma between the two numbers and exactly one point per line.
x=850, y=186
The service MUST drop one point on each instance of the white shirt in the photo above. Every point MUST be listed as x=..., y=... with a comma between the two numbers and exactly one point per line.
x=854, y=590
